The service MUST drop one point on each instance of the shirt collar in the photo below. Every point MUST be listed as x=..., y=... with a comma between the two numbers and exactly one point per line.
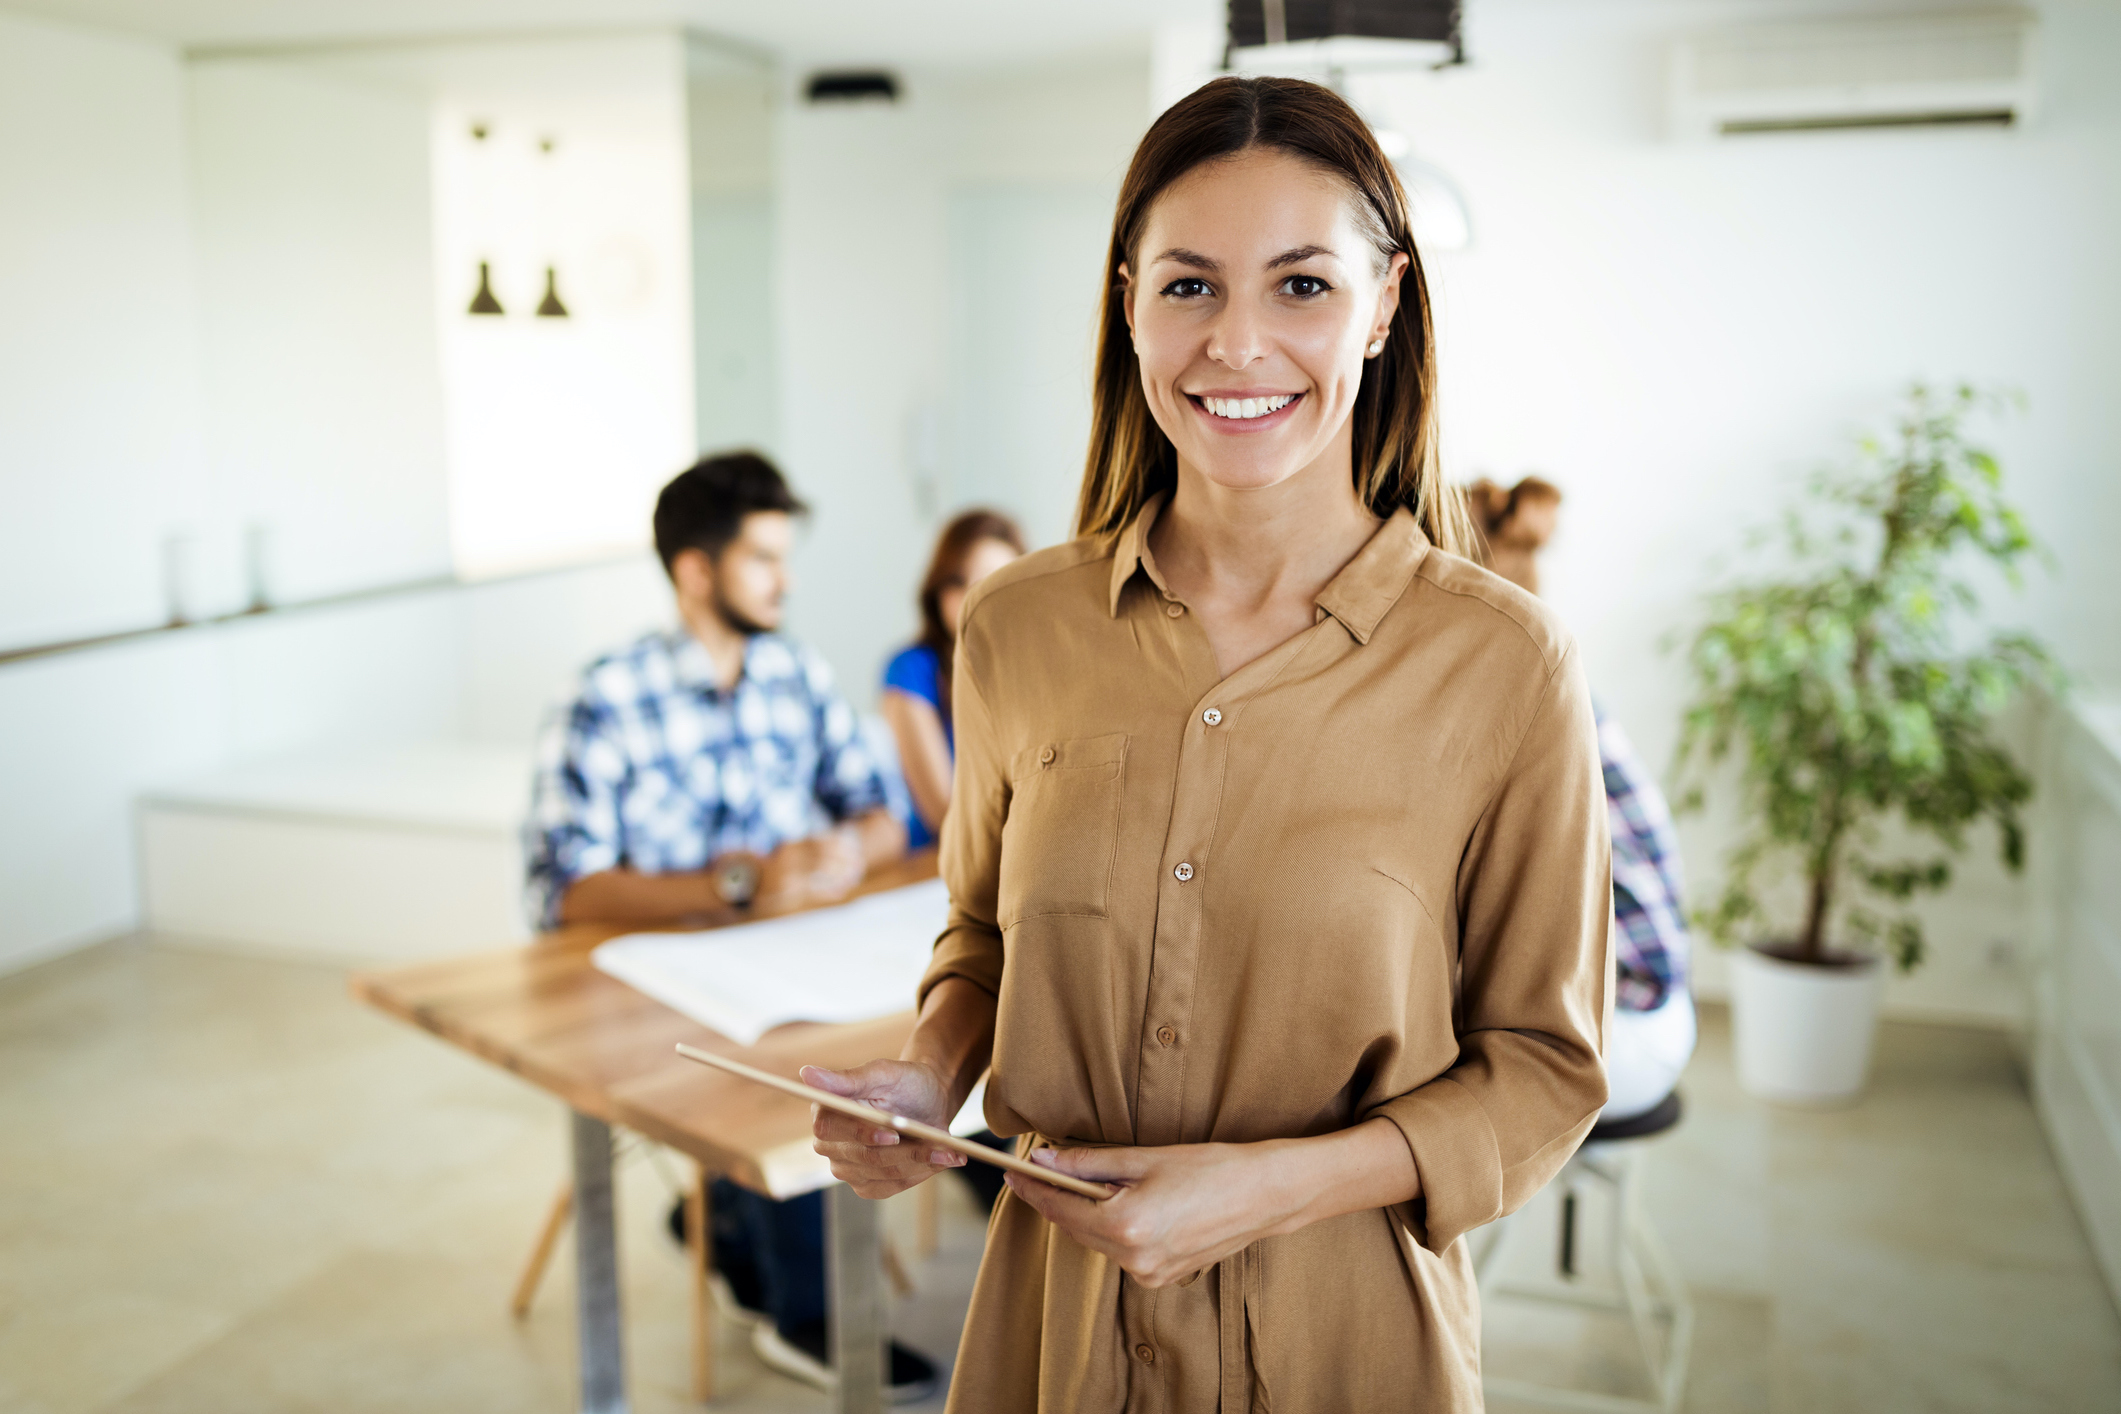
x=1370, y=584
x=1131, y=552
x=1358, y=597
x=692, y=668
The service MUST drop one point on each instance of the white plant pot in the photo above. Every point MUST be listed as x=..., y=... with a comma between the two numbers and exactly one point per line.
x=1803, y=1034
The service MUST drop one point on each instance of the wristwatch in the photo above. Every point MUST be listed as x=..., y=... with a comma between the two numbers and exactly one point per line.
x=735, y=878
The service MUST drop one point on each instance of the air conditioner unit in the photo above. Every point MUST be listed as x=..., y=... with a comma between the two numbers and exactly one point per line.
x=1884, y=72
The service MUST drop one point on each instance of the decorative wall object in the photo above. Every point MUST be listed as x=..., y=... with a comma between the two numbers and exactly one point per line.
x=484, y=302
x=550, y=306
x=563, y=420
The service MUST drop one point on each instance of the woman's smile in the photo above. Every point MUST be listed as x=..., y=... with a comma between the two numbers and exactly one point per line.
x=1242, y=412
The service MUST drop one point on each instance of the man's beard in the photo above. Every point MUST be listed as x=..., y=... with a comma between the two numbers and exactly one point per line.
x=736, y=618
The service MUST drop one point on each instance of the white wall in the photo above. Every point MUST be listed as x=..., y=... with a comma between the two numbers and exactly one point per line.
x=316, y=285
x=731, y=103
x=1030, y=218
x=101, y=445
x=1677, y=334
x=884, y=428
x=525, y=641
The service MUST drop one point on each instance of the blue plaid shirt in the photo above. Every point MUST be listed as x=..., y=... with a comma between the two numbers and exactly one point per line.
x=1653, y=937
x=655, y=768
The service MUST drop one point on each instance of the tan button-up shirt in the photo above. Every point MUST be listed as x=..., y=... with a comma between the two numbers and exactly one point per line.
x=1365, y=875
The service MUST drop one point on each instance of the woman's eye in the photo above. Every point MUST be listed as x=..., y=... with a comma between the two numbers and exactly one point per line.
x=1188, y=288
x=1305, y=286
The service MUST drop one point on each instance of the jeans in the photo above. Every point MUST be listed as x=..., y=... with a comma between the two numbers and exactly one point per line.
x=773, y=1254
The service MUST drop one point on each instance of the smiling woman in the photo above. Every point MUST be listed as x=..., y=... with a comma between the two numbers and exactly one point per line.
x=1277, y=853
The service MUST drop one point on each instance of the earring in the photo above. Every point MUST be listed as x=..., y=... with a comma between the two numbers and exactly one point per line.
x=1376, y=347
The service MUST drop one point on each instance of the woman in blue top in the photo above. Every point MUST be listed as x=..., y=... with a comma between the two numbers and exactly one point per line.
x=917, y=681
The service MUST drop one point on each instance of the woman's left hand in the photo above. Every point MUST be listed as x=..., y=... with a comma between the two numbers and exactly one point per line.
x=1181, y=1208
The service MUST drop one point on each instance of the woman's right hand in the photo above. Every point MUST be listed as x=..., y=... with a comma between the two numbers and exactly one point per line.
x=874, y=1162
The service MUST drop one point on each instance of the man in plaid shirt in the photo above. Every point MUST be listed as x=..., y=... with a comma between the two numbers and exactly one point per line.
x=709, y=768
x=713, y=766
x=1653, y=1012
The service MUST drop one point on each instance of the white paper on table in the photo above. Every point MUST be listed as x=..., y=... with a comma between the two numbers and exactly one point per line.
x=853, y=962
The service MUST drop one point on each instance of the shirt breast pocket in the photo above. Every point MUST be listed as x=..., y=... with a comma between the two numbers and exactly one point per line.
x=1062, y=831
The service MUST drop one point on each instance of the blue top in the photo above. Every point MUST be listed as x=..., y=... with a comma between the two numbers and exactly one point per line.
x=917, y=672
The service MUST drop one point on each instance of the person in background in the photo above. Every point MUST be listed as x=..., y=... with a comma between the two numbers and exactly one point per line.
x=917, y=680
x=715, y=768
x=1652, y=1036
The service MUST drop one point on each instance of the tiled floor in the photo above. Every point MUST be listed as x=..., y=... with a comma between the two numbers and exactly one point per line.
x=225, y=1187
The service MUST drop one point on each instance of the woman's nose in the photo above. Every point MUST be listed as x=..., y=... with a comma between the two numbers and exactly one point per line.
x=1238, y=338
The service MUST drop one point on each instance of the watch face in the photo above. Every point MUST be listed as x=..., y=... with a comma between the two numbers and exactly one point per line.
x=737, y=881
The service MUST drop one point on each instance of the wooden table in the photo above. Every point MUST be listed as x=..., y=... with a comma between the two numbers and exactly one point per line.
x=546, y=1014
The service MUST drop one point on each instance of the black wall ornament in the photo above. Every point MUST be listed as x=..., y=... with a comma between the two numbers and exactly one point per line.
x=550, y=307
x=484, y=303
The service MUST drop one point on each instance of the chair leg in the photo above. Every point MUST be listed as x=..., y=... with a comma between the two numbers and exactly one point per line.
x=895, y=1270
x=699, y=1257
x=1651, y=1295
x=1680, y=1306
x=541, y=1253
x=1566, y=1261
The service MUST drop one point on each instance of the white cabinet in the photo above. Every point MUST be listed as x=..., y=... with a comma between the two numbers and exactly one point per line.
x=388, y=853
x=2077, y=1022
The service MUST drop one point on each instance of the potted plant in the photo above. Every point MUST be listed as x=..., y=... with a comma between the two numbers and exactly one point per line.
x=1856, y=691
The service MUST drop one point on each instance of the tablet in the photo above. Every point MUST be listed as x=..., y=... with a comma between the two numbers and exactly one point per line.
x=926, y=1133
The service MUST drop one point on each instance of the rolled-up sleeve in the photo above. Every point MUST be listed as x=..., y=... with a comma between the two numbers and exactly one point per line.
x=1535, y=968
x=971, y=943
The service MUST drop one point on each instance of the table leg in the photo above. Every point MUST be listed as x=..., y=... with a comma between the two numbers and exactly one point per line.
x=596, y=1255
x=854, y=1231
x=699, y=1237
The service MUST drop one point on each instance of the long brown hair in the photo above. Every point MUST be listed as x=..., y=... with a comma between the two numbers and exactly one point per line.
x=1394, y=458
x=946, y=570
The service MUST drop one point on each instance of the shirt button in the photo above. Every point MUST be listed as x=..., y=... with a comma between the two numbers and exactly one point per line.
x=1166, y=1035
x=1183, y=872
x=1213, y=716
x=1174, y=610
x=1145, y=1354
x=1045, y=756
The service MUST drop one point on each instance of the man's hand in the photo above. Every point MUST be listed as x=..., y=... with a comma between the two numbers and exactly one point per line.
x=877, y=1163
x=819, y=869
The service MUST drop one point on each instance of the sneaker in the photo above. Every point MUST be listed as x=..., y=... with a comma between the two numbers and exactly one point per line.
x=801, y=1354
x=730, y=1307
